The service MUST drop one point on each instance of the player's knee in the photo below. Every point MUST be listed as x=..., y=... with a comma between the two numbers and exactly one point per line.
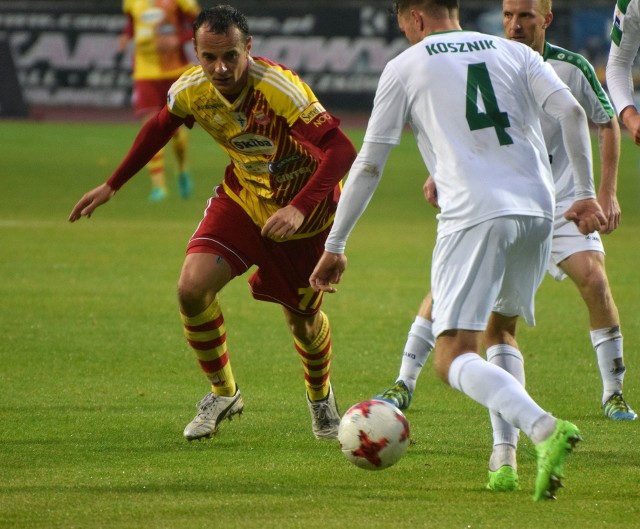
x=595, y=285
x=193, y=297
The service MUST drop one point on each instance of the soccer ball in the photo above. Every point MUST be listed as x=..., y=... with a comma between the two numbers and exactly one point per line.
x=373, y=434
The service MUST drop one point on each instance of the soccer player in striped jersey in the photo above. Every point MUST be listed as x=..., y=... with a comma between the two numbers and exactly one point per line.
x=578, y=256
x=473, y=100
x=273, y=209
x=625, y=42
x=159, y=30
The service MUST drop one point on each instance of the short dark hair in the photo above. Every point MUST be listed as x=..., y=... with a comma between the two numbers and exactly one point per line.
x=433, y=7
x=220, y=19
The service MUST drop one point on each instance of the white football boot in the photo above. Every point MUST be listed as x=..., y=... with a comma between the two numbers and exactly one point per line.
x=212, y=409
x=325, y=417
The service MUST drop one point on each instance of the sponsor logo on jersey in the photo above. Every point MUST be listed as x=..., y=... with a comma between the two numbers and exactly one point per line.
x=311, y=112
x=285, y=177
x=279, y=165
x=321, y=120
x=253, y=144
x=460, y=47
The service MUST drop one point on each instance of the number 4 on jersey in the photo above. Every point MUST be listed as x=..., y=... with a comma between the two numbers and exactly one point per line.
x=478, y=80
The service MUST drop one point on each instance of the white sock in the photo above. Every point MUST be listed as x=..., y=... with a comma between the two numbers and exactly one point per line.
x=499, y=391
x=608, y=345
x=420, y=343
x=503, y=454
x=505, y=436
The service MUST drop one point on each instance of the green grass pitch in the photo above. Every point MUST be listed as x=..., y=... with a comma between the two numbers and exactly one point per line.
x=97, y=382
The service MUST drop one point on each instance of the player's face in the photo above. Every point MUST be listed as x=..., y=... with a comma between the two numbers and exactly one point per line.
x=224, y=58
x=523, y=22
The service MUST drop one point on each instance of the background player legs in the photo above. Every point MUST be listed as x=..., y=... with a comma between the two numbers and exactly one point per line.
x=156, y=168
x=180, y=143
x=587, y=271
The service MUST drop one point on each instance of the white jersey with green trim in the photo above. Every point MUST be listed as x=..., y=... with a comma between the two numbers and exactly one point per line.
x=578, y=74
x=625, y=42
x=472, y=100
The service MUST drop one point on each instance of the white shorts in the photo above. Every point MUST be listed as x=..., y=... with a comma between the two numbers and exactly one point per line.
x=496, y=266
x=568, y=240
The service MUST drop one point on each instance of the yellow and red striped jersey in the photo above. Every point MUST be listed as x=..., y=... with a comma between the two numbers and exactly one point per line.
x=152, y=20
x=269, y=132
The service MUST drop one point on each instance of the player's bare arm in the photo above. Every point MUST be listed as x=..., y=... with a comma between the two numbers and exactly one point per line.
x=90, y=201
x=328, y=272
x=609, y=147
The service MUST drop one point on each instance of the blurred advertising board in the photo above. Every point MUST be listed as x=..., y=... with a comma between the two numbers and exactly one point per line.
x=69, y=57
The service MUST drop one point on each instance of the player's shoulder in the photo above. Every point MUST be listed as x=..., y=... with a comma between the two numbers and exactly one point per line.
x=556, y=53
x=276, y=80
x=570, y=62
x=262, y=68
x=191, y=80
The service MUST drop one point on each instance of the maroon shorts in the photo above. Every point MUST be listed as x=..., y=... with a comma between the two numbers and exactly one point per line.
x=283, y=267
x=150, y=96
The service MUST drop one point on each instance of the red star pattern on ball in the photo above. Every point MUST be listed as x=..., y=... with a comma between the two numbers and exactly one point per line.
x=370, y=449
x=365, y=406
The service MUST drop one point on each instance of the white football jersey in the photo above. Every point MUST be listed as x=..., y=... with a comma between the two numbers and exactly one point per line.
x=472, y=100
x=625, y=41
x=576, y=72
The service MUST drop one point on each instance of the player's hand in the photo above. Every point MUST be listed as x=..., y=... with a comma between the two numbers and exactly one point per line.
x=587, y=216
x=90, y=201
x=283, y=224
x=328, y=271
x=631, y=119
x=611, y=209
x=430, y=192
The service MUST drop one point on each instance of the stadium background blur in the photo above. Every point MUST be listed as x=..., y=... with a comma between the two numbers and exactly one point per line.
x=64, y=52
